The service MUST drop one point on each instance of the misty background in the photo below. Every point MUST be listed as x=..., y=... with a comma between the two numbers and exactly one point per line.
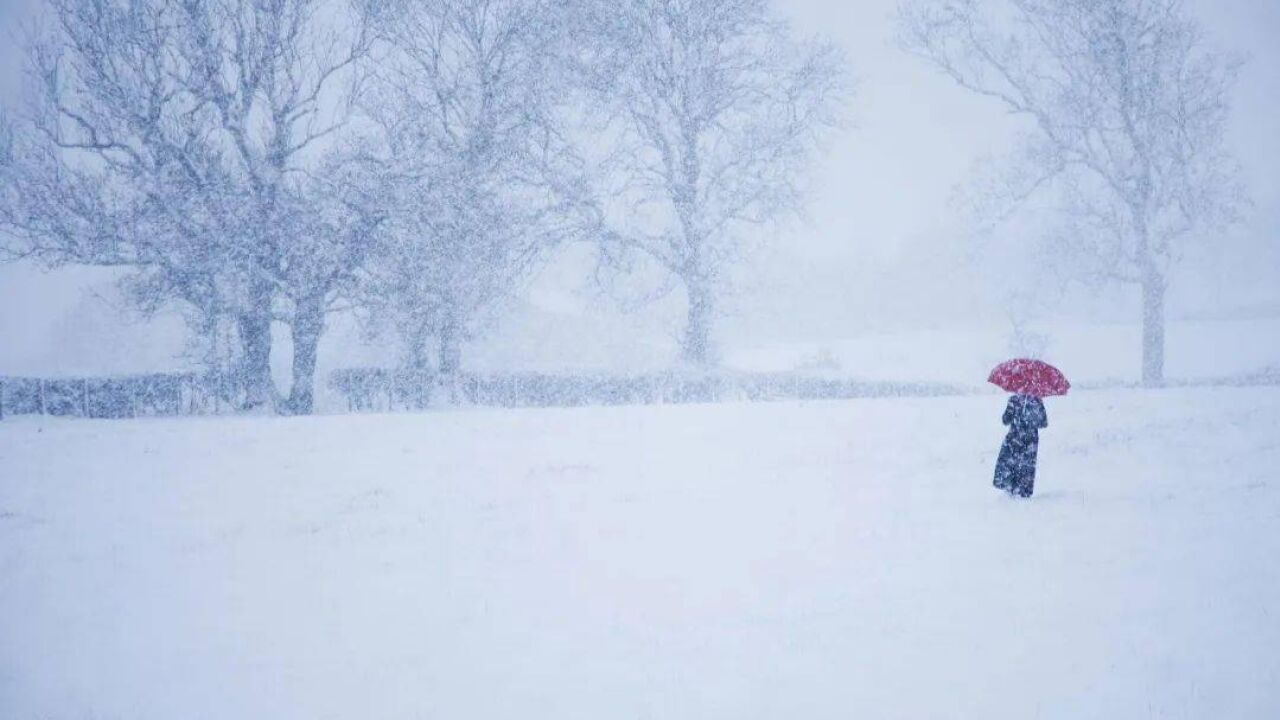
x=885, y=246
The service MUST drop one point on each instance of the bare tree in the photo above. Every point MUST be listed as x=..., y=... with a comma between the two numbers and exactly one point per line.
x=480, y=177
x=281, y=76
x=719, y=110
x=1128, y=111
x=332, y=218
x=99, y=152
x=172, y=138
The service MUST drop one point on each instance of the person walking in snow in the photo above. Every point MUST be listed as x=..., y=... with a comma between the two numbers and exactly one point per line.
x=1029, y=380
x=1016, y=468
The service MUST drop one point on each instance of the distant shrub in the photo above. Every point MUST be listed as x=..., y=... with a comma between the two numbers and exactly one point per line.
x=371, y=389
x=366, y=389
x=161, y=394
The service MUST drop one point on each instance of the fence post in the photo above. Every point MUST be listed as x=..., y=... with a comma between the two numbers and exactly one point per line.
x=1, y=398
x=40, y=395
x=84, y=398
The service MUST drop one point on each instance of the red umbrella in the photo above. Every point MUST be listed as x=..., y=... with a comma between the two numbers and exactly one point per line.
x=1029, y=377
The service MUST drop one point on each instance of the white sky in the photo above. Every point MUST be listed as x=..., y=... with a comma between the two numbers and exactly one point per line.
x=880, y=221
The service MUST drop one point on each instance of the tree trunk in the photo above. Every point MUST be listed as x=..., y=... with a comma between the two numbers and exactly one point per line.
x=308, y=325
x=415, y=347
x=255, y=342
x=1153, y=290
x=415, y=371
x=696, y=347
x=254, y=325
x=450, y=348
x=451, y=357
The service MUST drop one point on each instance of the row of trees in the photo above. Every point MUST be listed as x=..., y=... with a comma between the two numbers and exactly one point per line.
x=263, y=161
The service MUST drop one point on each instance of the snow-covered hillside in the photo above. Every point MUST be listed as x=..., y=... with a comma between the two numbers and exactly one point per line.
x=825, y=560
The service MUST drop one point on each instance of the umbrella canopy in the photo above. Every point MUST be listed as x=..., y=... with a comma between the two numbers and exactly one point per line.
x=1029, y=377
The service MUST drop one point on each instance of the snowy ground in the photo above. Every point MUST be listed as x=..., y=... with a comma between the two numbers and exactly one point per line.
x=825, y=560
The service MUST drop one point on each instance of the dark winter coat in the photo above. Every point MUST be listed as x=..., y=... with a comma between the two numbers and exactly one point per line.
x=1016, y=468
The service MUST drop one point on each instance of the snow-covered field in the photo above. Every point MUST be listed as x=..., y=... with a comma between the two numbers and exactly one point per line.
x=824, y=560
